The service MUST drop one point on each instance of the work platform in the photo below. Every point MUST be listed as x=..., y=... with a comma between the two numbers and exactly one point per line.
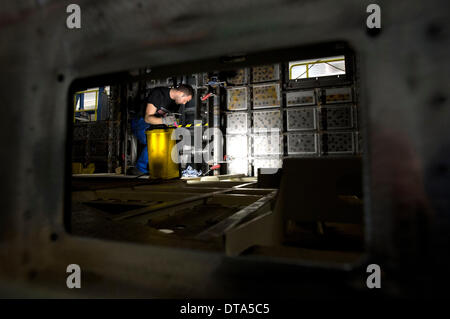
x=235, y=215
x=176, y=213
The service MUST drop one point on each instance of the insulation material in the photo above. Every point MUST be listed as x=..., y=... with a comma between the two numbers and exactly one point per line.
x=301, y=119
x=267, y=144
x=300, y=98
x=237, y=146
x=338, y=143
x=267, y=163
x=239, y=166
x=237, y=98
x=237, y=123
x=263, y=120
x=338, y=95
x=266, y=95
x=265, y=73
x=302, y=143
x=336, y=117
x=240, y=77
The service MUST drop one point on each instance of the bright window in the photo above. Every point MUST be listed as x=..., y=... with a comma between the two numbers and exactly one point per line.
x=86, y=105
x=312, y=68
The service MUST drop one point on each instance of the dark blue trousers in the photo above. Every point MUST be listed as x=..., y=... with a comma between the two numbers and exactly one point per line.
x=138, y=127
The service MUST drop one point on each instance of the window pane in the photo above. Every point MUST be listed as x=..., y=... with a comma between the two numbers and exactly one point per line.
x=90, y=100
x=326, y=66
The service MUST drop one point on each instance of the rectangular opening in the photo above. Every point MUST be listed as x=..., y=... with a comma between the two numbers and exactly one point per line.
x=265, y=165
x=315, y=68
x=88, y=104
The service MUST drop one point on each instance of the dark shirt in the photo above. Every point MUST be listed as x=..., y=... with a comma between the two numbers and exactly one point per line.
x=160, y=98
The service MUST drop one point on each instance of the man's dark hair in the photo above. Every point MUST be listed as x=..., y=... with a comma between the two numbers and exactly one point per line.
x=186, y=89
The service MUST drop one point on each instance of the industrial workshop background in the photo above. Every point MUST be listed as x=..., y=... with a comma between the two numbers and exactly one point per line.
x=313, y=118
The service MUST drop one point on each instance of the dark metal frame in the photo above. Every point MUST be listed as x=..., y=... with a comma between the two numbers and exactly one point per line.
x=405, y=124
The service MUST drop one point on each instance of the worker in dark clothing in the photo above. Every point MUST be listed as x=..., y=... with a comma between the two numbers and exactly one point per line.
x=161, y=103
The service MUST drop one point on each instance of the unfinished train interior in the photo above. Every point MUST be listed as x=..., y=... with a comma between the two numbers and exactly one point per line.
x=253, y=123
x=228, y=152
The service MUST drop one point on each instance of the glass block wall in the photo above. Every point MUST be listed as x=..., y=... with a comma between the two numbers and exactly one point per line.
x=313, y=122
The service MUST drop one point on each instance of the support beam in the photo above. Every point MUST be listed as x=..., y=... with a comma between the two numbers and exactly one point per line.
x=221, y=228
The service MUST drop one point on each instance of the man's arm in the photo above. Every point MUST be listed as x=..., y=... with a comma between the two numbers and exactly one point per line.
x=150, y=117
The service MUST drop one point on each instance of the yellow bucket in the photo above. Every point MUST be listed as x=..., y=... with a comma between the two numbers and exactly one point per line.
x=159, y=147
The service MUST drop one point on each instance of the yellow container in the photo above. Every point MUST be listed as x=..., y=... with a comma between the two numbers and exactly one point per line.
x=77, y=167
x=90, y=169
x=159, y=147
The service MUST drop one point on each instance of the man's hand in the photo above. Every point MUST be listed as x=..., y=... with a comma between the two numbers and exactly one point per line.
x=168, y=120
